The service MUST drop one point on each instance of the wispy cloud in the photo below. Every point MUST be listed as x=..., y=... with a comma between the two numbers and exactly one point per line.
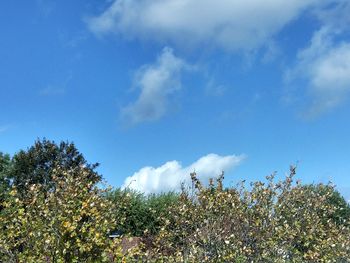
x=157, y=82
x=325, y=64
x=169, y=176
x=232, y=25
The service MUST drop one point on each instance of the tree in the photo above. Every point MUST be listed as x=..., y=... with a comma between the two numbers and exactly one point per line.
x=341, y=214
x=158, y=210
x=5, y=166
x=138, y=214
x=71, y=223
x=35, y=165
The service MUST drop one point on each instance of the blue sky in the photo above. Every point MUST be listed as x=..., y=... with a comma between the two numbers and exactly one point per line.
x=156, y=89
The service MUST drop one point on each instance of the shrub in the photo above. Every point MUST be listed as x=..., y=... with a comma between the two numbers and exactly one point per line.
x=267, y=222
x=69, y=223
x=270, y=221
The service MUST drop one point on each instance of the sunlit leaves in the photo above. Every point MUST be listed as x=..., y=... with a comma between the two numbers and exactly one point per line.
x=271, y=221
x=68, y=224
x=266, y=222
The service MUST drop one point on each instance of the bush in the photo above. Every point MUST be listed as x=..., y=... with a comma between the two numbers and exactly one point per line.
x=268, y=222
x=69, y=223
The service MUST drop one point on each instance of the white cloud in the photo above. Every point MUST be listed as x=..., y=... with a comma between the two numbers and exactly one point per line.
x=157, y=83
x=170, y=175
x=325, y=66
x=229, y=24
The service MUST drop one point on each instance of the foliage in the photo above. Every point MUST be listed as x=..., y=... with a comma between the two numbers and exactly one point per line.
x=35, y=165
x=5, y=166
x=144, y=213
x=158, y=206
x=67, y=224
x=270, y=222
x=52, y=210
x=341, y=214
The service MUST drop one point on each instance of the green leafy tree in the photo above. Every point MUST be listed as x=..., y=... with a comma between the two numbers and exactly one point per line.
x=35, y=165
x=158, y=210
x=138, y=214
x=341, y=214
x=130, y=213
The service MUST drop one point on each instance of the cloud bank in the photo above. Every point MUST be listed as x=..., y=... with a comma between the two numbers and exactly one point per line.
x=169, y=176
x=229, y=24
x=157, y=82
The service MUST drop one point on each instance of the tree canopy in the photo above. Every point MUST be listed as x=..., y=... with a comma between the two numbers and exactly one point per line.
x=35, y=165
x=142, y=214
